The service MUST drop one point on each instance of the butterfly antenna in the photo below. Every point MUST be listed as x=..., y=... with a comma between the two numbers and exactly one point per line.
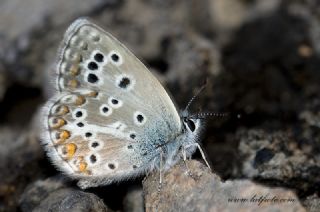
x=197, y=94
x=204, y=115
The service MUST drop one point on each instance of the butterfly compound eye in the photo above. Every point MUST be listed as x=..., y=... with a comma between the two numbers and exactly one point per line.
x=190, y=124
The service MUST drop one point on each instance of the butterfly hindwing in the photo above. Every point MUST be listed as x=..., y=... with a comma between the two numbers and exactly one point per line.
x=110, y=112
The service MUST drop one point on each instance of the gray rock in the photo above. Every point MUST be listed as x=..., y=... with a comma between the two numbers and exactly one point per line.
x=31, y=30
x=36, y=192
x=20, y=154
x=204, y=191
x=3, y=83
x=133, y=201
x=278, y=157
x=312, y=203
x=55, y=195
x=72, y=200
x=192, y=60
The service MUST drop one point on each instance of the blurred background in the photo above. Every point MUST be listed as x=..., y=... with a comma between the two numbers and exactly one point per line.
x=261, y=59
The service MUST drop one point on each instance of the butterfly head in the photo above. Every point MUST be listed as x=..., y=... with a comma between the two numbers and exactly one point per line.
x=191, y=127
x=191, y=124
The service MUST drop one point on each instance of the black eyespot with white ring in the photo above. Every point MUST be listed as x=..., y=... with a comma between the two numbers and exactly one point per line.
x=115, y=102
x=93, y=159
x=95, y=145
x=93, y=78
x=98, y=57
x=115, y=58
x=125, y=82
x=112, y=166
x=92, y=66
x=80, y=124
x=105, y=110
x=79, y=114
x=132, y=135
x=139, y=118
x=88, y=134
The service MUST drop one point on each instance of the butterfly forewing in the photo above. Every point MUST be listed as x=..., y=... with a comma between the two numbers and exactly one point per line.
x=110, y=113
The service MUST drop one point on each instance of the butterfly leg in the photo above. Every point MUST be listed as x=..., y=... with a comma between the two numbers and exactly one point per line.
x=184, y=156
x=156, y=206
x=201, y=152
x=203, y=155
x=160, y=170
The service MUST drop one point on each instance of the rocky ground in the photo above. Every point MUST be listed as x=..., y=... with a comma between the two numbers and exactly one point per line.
x=261, y=59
